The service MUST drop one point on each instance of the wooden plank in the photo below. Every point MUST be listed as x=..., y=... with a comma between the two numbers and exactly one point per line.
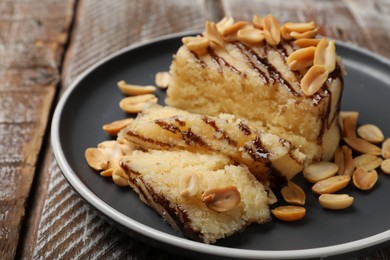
x=32, y=36
x=64, y=226
x=374, y=19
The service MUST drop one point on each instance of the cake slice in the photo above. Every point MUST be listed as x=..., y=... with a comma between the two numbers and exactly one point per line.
x=268, y=157
x=204, y=196
x=258, y=79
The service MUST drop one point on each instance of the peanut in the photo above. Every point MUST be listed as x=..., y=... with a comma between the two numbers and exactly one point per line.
x=386, y=149
x=293, y=194
x=331, y=184
x=134, y=104
x=250, y=35
x=289, y=213
x=113, y=128
x=367, y=161
x=188, y=185
x=385, y=166
x=320, y=171
x=335, y=201
x=222, y=199
x=363, y=179
x=301, y=58
x=313, y=80
x=271, y=30
x=134, y=90
x=96, y=159
x=371, y=133
x=162, y=79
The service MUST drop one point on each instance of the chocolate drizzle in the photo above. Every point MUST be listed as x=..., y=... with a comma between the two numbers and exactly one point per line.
x=326, y=93
x=253, y=66
x=189, y=137
x=168, y=210
x=166, y=126
x=221, y=62
x=258, y=152
x=255, y=60
x=219, y=134
x=198, y=60
x=244, y=128
x=148, y=140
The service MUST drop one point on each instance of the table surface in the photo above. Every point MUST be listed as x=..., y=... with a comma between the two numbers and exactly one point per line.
x=46, y=44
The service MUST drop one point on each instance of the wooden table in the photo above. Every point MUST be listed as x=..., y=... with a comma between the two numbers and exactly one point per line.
x=46, y=44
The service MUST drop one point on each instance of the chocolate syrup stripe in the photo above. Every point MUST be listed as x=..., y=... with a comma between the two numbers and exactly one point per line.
x=252, y=64
x=257, y=151
x=198, y=60
x=225, y=136
x=254, y=59
x=179, y=216
x=189, y=137
x=326, y=122
x=221, y=62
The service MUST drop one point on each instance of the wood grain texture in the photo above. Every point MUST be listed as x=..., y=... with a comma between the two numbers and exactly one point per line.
x=374, y=19
x=67, y=226
x=31, y=47
x=111, y=26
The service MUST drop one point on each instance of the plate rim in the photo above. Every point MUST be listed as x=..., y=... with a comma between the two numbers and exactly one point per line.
x=184, y=243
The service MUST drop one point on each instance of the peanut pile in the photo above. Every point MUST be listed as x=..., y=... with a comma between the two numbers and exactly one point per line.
x=373, y=151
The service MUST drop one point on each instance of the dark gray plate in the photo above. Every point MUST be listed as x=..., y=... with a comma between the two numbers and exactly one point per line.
x=93, y=98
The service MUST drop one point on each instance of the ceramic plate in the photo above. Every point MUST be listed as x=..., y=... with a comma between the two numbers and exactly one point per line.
x=92, y=101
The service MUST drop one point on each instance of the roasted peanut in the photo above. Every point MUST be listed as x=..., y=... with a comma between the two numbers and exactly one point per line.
x=320, y=171
x=370, y=133
x=349, y=121
x=222, y=199
x=335, y=201
x=325, y=54
x=113, y=152
x=96, y=159
x=363, y=179
x=301, y=58
x=107, y=173
x=134, y=90
x=250, y=35
x=271, y=30
x=113, y=128
x=119, y=177
x=226, y=21
x=313, y=80
x=213, y=34
x=188, y=185
x=231, y=29
x=257, y=22
x=367, y=161
x=162, y=79
x=307, y=34
x=134, y=104
x=293, y=194
x=307, y=42
x=195, y=44
x=331, y=184
x=386, y=149
x=343, y=159
x=385, y=166
x=289, y=213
